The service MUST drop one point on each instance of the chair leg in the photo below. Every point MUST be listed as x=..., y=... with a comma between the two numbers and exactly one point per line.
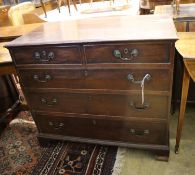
x=68, y=2
x=111, y=2
x=91, y=1
x=59, y=2
x=75, y=6
x=43, y=7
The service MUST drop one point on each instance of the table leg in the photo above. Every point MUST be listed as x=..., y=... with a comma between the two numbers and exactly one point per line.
x=177, y=80
x=185, y=87
x=43, y=7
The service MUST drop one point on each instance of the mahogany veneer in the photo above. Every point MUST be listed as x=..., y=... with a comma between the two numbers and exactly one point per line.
x=82, y=80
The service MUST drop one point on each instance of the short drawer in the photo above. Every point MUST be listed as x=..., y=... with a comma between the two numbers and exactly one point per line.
x=48, y=55
x=100, y=104
x=139, y=52
x=128, y=130
x=52, y=78
x=116, y=79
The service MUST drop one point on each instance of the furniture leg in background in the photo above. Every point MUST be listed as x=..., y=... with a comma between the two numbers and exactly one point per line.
x=9, y=97
x=68, y=3
x=185, y=87
x=43, y=7
x=185, y=46
x=10, y=103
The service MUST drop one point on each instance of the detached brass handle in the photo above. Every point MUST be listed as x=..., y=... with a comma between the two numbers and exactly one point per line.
x=43, y=56
x=56, y=125
x=52, y=103
x=140, y=108
x=130, y=77
x=127, y=54
x=139, y=133
x=142, y=82
x=45, y=79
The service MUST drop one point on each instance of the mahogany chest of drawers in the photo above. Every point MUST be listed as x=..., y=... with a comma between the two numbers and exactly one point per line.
x=101, y=80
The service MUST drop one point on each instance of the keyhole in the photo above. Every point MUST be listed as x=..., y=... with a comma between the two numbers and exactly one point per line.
x=94, y=122
x=126, y=51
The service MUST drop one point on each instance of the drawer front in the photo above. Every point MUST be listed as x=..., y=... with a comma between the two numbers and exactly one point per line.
x=143, y=52
x=52, y=78
x=121, y=79
x=100, y=104
x=57, y=102
x=128, y=79
x=48, y=55
x=135, y=131
x=155, y=106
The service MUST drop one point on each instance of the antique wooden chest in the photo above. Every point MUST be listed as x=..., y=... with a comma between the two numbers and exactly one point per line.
x=102, y=80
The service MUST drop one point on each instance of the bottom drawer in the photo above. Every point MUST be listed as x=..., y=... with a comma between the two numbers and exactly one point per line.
x=143, y=131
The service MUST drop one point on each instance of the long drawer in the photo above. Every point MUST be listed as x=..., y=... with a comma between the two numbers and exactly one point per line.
x=138, y=52
x=114, y=79
x=113, y=129
x=99, y=104
x=48, y=55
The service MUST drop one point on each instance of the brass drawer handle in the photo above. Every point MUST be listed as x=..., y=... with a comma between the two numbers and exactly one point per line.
x=139, y=133
x=85, y=73
x=52, y=103
x=51, y=55
x=43, y=56
x=140, y=108
x=130, y=77
x=134, y=53
x=127, y=54
x=56, y=125
x=45, y=79
x=142, y=82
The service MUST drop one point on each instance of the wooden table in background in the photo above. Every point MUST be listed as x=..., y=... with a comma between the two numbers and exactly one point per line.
x=184, y=22
x=184, y=10
x=9, y=95
x=6, y=65
x=186, y=14
x=186, y=47
x=9, y=33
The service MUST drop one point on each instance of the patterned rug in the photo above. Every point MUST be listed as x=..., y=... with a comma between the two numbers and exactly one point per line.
x=21, y=154
x=77, y=158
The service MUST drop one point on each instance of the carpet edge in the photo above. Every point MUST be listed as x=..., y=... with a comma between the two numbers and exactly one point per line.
x=120, y=161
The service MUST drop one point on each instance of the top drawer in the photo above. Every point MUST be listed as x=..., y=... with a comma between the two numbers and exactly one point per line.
x=48, y=55
x=142, y=52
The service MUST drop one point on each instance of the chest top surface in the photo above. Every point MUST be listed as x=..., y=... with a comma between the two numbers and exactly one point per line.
x=101, y=29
